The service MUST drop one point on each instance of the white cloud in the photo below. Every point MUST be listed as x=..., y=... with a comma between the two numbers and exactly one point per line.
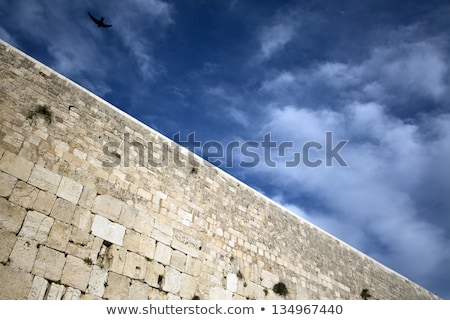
x=373, y=203
x=138, y=23
x=391, y=74
x=274, y=38
x=280, y=82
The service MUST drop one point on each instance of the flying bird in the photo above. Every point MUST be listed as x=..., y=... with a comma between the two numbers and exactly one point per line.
x=100, y=22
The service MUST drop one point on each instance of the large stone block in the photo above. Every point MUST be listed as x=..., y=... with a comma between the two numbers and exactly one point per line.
x=115, y=258
x=76, y=273
x=7, y=239
x=59, y=236
x=72, y=294
x=188, y=286
x=143, y=223
x=16, y=166
x=55, y=292
x=217, y=293
x=147, y=247
x=163, y=253
x=172, y=280
x=84, y=245
x=36, y=226
x=178, y=260
x=38, y=289
x=11, y=216
x=135, y=266
x=155, y=274
x=69, y=190
x=97, y=281
x=118, y=287
x=15, y=284
x=110, y=231
x=83, y=219
x=138, y=290
x=108, y=206
x=49, y=263
x=44, y=179
x=7, y=183
x=24, y=194
x=24, y=254
x=63, y=210
x=44, y=202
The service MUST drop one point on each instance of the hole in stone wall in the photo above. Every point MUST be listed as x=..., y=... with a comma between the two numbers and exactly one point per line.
x=160, y=280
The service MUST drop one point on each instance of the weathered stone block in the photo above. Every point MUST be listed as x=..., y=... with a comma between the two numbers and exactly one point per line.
x=172, y=280
x=72, y=294
x=269, y=279
x=110, y=231
x=7, y=239
x=115, y=258
x=163, y=253
x=83, y=219
x=217, y=293
x=44, y=179
x=63, y=210
x=84, y=245
x=135, y=266
x=138, y=290
x=7, y=183
x=193, y=266
x=24, y=254
x=128, y=216
x=87, y=198
x=131, y=240
x=97, y=281
x=44, y=202
x=154, y=275
x=16, y=166
x=147, y=247
x=143, y=223
x=23, y=194
x=49, y=263
x=59, y=236
x=118, y=287
x=178, y=260
x=108, y=206
x=38, y=289
x=36, y=226
x=188, y=286
x=15, y=284
x=11, y=216
x=69, y=190
x=55, y=292
x=76, y=273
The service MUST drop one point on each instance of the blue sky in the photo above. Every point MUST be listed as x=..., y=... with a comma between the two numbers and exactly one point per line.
x=374, y=73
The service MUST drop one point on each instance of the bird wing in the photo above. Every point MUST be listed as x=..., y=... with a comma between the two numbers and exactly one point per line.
x=93, y=19
x=106, y=25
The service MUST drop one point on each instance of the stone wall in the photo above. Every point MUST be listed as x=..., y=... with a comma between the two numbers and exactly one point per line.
x=77, y=223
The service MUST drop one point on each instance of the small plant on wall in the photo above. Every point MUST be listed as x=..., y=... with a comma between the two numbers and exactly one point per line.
x=365, y=294
x=40, y=111
x=280, y=289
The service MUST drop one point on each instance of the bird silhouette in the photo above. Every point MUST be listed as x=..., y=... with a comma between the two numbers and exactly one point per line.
x=100, y=22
